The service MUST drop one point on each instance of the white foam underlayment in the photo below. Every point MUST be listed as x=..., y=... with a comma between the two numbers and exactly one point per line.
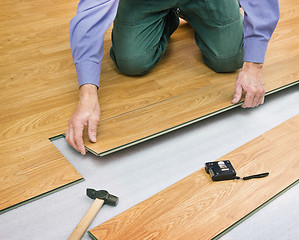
x=136, y=173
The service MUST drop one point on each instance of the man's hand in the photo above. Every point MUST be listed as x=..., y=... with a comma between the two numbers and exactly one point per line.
x=250, y=80
x=87, y=113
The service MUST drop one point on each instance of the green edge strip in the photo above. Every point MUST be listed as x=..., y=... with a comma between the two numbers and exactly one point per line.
x=92, y=236
x=175, y=127
x=57, y=137
x=41, y=195
x=254, y=211
x=95, y=153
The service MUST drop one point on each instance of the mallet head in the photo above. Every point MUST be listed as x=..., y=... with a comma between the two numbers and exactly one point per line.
x=102, y=194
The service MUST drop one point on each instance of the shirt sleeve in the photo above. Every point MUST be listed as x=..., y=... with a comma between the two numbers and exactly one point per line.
x=87, y=31
x=260, y=20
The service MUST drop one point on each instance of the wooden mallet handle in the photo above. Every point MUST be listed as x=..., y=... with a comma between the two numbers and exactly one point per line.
x=87, y=219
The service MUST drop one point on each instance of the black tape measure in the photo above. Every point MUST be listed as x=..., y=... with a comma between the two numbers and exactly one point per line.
x=224, y=170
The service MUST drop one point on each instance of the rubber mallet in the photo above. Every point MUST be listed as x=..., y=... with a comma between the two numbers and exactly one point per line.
x=101, y=197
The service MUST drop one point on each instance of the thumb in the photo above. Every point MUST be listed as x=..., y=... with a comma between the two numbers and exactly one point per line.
x=92, y=130
x=238, y=94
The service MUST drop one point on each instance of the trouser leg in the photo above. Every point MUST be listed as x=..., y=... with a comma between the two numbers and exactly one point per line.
x=218, y=32
x=140, y=34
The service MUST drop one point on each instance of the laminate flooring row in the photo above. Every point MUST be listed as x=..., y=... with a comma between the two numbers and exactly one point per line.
x=198, y=208
x=39, y=92
x=181, y=90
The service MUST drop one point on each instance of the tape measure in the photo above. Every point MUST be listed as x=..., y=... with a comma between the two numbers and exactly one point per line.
x=224, y=170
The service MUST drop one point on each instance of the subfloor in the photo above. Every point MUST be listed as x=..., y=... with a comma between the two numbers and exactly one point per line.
x=141, y=171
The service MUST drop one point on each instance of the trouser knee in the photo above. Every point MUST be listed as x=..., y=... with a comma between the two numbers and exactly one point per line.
x=137, y=48
x=133, y=65
x=224, y=64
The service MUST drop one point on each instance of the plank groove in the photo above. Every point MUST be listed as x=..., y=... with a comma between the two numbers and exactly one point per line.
x=198, y=208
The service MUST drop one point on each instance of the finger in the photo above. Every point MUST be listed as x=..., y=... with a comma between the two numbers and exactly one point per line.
x=67, y=132
x=263, y=100
x=259, y=98
x=71, y=139
x=256, y=101
x=263, y=96
x=248, y=100
x=92, y=130
x=66, y=135
x=259, y=101
x=78, y=138
x=237, y=94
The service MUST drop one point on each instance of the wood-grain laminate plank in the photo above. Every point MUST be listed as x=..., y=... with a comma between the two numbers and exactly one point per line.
x=31, y=171
x=178, y=92
x=198, y=208
x=153, y=120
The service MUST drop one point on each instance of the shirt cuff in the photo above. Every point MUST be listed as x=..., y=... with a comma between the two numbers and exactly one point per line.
x=255, y=50
x=88, y=73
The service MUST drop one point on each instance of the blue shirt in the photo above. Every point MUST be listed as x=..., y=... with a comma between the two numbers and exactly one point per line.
x=93, y=17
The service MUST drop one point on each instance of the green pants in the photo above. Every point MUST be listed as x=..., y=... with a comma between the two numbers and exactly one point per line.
x=142, y=29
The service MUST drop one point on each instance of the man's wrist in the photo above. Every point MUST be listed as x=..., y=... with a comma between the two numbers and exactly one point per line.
x=88, y=91
x=252, y=66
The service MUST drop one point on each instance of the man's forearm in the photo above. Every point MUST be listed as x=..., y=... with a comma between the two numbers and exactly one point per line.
x=260, y=20
x=87, y=31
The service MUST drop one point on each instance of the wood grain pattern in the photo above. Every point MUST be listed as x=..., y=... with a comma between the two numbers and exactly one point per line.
x=198, y=208
x=35, y=99
x=39, y=91
x=134, y=109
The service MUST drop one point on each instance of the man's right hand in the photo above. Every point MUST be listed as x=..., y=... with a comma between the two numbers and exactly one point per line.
x=87, y=113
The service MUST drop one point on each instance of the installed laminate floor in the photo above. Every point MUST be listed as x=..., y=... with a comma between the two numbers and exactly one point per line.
x=35, y=99
x=196, y=207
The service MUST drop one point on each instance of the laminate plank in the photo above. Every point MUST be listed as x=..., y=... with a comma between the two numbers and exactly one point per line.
x=29, y=171
x=198, y=208
x=156, y=119
x=177, y=93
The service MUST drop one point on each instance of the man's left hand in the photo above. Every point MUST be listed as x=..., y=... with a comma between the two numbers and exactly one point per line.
x=250, y=80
